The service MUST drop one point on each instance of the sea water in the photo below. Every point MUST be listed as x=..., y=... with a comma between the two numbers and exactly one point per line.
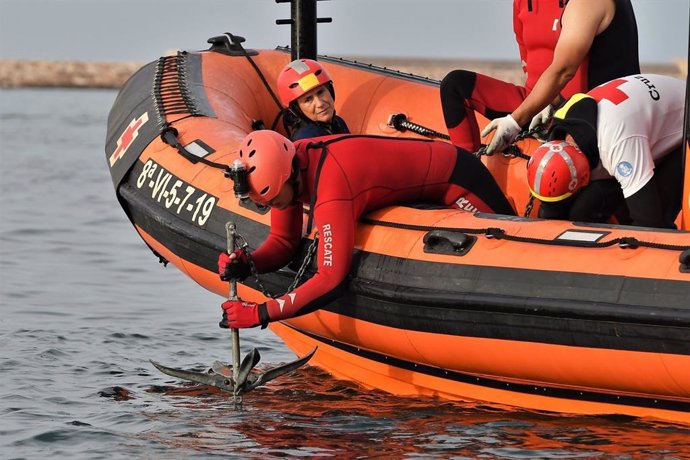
x=84, y=305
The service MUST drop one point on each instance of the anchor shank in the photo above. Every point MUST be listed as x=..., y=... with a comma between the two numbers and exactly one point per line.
x=232, y=295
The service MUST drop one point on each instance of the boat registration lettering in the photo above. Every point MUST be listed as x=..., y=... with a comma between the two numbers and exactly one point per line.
x=327, y=246
x=187, y=201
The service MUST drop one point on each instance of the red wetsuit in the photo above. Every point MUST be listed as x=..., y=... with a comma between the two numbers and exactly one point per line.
x=360, y=174
x=537, y=26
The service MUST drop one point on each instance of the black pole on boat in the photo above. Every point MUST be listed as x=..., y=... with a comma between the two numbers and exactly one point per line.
x=686, y=138
x=303, y=20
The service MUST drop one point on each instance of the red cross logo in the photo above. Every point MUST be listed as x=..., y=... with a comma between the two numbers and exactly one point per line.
x=127, y=137
x=610, y=92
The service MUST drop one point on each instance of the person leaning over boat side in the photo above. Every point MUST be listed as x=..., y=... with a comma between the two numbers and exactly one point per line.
x=306, y=89
x=627, y=136
x=564, y=50
x=353, y=175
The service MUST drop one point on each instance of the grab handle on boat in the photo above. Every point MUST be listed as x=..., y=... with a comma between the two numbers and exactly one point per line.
x=445, y=242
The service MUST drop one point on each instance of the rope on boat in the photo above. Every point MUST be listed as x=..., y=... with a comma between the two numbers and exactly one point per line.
x=169, y=136
x=237, y=41
x=400, y=122
x=500, y=234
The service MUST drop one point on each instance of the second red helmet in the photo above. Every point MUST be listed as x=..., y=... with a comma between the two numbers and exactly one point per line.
x=557, y=170
x=299, y=77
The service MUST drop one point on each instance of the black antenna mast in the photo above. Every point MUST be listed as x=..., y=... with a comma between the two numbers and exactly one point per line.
x=303, y=20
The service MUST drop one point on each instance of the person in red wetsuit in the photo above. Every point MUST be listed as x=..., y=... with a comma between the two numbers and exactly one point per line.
x=342, y=177
x=564, y=50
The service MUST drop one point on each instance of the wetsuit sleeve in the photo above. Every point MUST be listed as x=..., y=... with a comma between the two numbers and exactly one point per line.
x=336, y=226
x=283, y=239
x=517, y=28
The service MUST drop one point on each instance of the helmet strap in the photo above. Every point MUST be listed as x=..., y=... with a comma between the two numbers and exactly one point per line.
x=331, y=89
x=296, y=111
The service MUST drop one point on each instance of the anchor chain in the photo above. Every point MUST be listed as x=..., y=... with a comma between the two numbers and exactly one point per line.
x=513, y=150
x=299, y=276
x=529, y=206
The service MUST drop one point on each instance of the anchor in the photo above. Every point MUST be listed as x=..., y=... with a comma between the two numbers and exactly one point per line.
x=236, y=379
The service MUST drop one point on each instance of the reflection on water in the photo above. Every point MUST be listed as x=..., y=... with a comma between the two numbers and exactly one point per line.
x=85, y=305
x=309, y=413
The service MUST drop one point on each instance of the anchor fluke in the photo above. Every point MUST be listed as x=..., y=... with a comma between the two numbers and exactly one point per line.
x=222, y=375
x=215, y=380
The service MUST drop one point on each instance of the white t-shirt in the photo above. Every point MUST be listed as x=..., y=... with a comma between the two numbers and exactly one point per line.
x=640, y=120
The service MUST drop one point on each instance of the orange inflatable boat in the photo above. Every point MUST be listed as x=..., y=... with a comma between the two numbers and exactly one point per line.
x=518, y=311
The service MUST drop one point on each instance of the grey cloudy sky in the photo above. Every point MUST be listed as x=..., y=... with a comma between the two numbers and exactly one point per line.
x=143, y=30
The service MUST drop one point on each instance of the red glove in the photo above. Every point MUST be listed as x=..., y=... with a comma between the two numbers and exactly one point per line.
x=233, y=266
x=240, y=314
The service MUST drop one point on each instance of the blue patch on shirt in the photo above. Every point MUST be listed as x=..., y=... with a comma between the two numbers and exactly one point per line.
x=624, y=168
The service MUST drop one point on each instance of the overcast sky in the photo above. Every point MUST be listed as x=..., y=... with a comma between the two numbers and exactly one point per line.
x=143, y=30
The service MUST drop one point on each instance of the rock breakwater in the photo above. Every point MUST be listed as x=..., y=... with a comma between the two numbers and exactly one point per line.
x=17, y=73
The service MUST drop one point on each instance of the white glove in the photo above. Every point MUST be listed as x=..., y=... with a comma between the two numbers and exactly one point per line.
x=507, y=130
x=542, y=118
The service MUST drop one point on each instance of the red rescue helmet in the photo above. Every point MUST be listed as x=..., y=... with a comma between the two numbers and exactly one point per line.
x=299, y=77
x=268, y=157
x=557, y=170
